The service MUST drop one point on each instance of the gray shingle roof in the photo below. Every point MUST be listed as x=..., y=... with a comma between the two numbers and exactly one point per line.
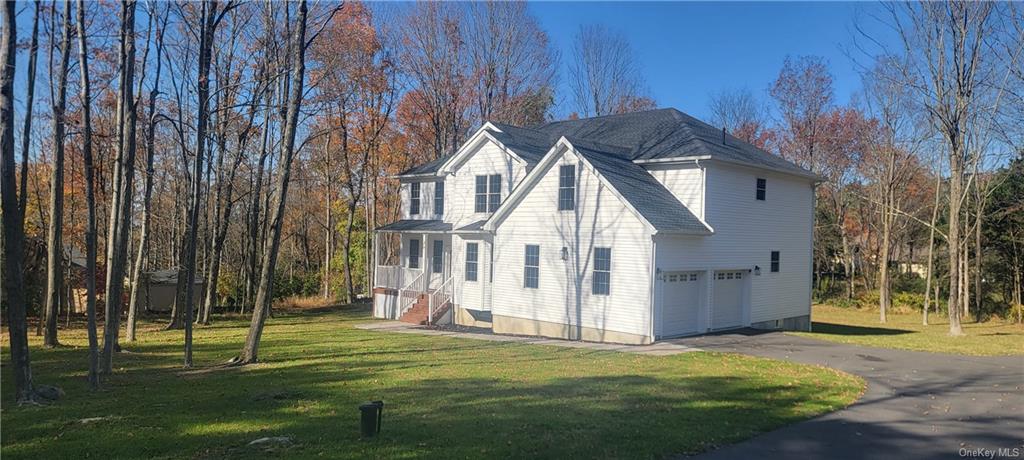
x=473, y=227
x=649, y=135
x=425, y=168
x=416, y=225
x=648, y=196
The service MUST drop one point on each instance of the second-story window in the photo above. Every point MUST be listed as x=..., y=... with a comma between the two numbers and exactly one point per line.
x=762, y=186
x=414, y=198
x=567, y=187
x=439, y=198
x=488, y=193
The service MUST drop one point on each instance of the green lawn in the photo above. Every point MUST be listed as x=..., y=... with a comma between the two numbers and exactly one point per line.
x=445, y=398
x=904, y=331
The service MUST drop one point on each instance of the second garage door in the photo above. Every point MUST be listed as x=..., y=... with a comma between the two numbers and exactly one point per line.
x=727, y=299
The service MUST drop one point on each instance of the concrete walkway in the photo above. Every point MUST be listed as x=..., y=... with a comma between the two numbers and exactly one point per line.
x=917, y=405
x=657, y=349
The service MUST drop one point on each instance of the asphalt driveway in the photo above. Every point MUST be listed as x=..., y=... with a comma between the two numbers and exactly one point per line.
x=917, y=405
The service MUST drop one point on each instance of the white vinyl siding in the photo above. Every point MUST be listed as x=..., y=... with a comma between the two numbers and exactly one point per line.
x=686, y=182
x=460, y=186
x=564, y=295
x=746, y=230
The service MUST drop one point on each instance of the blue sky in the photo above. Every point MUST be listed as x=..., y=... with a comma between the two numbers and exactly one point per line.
x=690, y=50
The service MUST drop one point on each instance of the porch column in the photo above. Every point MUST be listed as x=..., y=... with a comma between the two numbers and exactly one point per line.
x=373, y=259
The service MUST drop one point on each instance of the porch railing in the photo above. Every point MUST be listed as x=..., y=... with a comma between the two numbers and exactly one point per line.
x=394, y=276
x=408, y=294
x=439, y=297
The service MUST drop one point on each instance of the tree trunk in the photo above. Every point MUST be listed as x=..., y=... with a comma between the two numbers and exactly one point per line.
x=124, y=173
x=54, y=240
x=90, y=199
x=264, y=294
x=147, y=197
x=14, y=236
x=347, y=242
x=931, y=250
x=186, y=270
x=26, y=135
x=955, y=191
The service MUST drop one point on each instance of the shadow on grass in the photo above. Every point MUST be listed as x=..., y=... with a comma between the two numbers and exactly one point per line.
x=845, y=329
x=444, y=399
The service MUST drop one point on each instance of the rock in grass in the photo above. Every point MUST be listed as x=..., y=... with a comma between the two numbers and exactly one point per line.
x=271, y=441
x=49, y=392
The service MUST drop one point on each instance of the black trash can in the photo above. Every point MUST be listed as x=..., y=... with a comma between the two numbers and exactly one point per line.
x=370, y=416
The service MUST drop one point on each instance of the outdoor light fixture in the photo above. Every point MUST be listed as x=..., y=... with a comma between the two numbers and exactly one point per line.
x=565, y=253
x=757, y=270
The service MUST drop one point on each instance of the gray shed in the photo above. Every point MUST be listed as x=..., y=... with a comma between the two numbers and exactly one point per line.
x=159, y=289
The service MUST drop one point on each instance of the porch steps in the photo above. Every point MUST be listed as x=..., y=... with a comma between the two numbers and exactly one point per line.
x=419, y=311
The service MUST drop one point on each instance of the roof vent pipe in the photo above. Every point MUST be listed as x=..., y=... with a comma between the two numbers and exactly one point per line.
x=723, y=135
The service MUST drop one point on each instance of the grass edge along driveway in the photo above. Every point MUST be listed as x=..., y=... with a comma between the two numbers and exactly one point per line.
x=904, y=331
x=444, y=397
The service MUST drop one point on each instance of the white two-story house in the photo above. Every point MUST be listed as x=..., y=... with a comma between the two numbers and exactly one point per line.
x=626, y=228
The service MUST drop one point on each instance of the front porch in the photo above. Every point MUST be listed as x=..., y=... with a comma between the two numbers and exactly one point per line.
x=412, y=279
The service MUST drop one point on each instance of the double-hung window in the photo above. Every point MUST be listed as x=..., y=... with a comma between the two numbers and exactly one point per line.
x=414, y=253
x=472, y=254
x=567, y=187
x=775, y=261
x=488, y=193
x=437, y=258
x=414, y=198
x=602, y=271
x=762, y=186
x=439, y=198
x=531, y=270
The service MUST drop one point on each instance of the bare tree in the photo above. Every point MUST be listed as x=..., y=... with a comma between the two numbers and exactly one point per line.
x=511, y=62
x=54, y=240
x=261, y=309
x=124, y=172
x=147, y=197
x=890, y=152
x=30, y=91
x=949, y=68
x=604, y=74
x=90, y=197
x=14, y=236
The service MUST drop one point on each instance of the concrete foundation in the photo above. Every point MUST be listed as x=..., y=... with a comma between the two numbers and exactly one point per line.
x=520, y=326
x=795, y=323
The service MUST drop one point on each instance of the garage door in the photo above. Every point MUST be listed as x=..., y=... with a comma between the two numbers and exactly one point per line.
x=727, y=299
x=681, y=311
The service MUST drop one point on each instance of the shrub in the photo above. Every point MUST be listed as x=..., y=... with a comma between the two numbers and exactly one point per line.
x=907, y=301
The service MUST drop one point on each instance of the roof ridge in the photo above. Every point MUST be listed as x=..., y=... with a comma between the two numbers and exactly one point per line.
x=660, y=109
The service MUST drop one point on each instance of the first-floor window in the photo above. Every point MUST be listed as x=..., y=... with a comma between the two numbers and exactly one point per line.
x=437, y=258
x=775, y=261
x=414, y=253
x=531, y=273
x=472, y=253
x=602, y=271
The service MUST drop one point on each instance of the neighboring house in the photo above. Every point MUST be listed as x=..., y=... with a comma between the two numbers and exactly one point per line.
x=625, y=228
